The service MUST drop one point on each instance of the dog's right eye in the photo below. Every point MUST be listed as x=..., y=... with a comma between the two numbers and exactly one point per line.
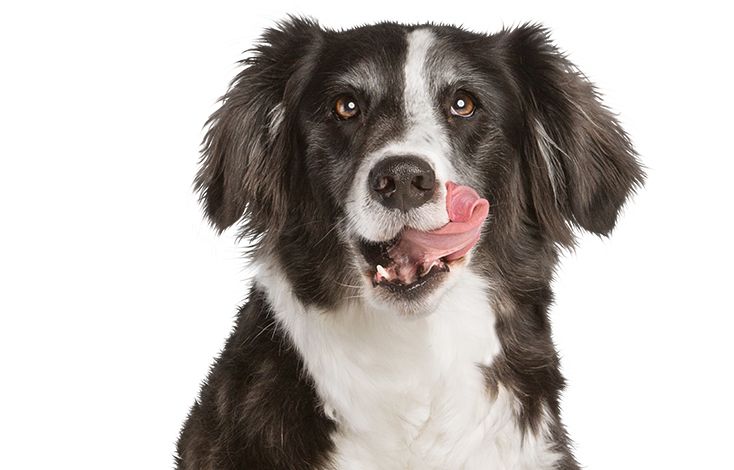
x=346, y=107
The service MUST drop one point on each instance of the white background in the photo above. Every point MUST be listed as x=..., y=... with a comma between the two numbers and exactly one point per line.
x=115, y=295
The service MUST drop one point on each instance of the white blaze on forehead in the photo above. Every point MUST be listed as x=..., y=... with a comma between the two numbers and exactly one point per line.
x=424, y=137
x=417, y=89
x=424, y=134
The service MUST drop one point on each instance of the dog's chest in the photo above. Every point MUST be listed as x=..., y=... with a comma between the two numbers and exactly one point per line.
x=421, y=420
x=410, y=394
x=440, y=418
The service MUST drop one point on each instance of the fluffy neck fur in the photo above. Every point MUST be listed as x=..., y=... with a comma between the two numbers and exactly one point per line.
x=410, y=393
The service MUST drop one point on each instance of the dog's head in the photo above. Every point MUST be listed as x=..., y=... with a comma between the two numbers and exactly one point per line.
x=335, y=150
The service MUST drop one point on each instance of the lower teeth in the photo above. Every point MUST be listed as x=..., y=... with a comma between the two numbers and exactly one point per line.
x=426, y=271
x=383, y=272
x=392, y=275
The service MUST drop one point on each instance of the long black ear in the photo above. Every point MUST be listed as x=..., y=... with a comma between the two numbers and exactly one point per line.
x=248, y=148
x=580, y=162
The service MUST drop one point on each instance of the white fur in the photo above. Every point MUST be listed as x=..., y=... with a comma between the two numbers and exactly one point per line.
x=424, y=137
x=275, y=117
x=425, y=132
x=409, y=393
x=547, y=148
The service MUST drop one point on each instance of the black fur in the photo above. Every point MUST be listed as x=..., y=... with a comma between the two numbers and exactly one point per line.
x=257, y=410
x=541, y=147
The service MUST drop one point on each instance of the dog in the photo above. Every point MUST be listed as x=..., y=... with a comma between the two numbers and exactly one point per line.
x=407, y=190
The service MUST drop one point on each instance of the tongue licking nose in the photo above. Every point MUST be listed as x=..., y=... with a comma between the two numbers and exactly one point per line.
x=417, y=252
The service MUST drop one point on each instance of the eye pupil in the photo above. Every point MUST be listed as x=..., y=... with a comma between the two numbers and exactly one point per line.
x=460, y=103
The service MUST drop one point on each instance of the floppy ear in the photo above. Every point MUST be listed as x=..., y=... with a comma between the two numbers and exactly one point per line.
x=248, y=148
x=580, y=162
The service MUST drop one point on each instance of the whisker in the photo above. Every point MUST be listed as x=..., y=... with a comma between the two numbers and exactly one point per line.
x=336, y=224
x=348, y=285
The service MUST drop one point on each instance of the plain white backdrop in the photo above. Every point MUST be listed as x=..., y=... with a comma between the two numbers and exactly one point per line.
x=115, y=295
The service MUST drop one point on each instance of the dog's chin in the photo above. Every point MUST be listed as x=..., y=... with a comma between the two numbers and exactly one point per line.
x=415, y=297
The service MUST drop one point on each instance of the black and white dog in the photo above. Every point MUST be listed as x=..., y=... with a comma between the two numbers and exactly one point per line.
x=408, y=189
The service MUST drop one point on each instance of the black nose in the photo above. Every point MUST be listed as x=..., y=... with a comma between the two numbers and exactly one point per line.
x=402, y=182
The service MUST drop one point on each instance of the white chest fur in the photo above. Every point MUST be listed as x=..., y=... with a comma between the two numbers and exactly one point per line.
x=409, y=394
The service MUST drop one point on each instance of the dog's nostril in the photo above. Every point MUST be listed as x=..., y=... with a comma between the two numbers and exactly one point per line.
x=383, y=184
x=424, y=181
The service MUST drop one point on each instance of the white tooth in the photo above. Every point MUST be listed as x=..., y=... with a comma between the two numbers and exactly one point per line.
x=425, y=272
x=383, y=272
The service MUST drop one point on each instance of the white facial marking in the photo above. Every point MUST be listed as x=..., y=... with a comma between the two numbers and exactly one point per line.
x=424, y=137
x=424, y=129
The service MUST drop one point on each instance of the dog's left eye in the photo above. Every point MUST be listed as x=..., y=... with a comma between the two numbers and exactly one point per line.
x=346, y=107
x=463, y=104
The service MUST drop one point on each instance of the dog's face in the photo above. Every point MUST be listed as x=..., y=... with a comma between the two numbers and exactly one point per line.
x=334, y=144
x=385, y=126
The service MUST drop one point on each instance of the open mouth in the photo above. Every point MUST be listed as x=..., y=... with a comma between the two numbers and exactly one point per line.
x=394, y=270
x=415, y=261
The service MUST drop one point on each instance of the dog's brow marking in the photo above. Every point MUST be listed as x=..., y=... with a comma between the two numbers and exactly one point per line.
x=364, y=75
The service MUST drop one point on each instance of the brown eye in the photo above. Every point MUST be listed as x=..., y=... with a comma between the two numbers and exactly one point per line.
x=346, y=107
x=462, y=105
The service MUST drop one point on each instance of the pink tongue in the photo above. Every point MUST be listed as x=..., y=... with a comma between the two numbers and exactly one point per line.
x=466, y=211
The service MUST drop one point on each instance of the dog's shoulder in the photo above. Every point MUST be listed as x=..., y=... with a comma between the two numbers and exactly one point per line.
x=257, y=408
